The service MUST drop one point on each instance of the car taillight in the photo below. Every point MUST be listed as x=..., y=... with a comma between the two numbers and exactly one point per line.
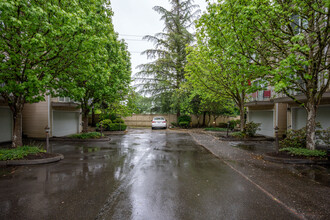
x=164, y=121
x=153, y=122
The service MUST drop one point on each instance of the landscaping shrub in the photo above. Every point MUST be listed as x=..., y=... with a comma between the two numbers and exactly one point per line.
x=215, y=129
x=89, y=135
x=324, y=136
x=184, y=121
x=238, y=134
x=184, y=124
x=119, y=120
x=251, y=128
x=19, y=153
x=304, y=152
x=117, y=127
x=233, y=124
x=105, y=124
x=185, y=118
x=294, y=139
x=297, y=138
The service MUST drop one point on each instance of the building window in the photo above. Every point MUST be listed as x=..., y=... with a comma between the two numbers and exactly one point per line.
x=64, y=99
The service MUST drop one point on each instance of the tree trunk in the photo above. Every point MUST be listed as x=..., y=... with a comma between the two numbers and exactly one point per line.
x=85, y=121
x=93, y=117
x=215, y=120
x=204, y=116
x=17, y=130
x=209, y=122
x=198, y=117
x=311, y=126
x=241, y=114
x=177, y=115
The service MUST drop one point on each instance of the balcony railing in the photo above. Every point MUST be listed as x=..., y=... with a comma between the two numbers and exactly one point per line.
x=264, y=95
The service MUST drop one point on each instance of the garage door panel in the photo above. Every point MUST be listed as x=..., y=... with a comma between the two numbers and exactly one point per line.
x=265, y=118
x=5, y=125
x=299, y=117
x=65, y=123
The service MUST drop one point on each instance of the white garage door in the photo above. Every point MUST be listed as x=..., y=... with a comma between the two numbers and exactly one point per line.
x=299, y=117
x=266, y=120
x=65, y=123
x=5, y=125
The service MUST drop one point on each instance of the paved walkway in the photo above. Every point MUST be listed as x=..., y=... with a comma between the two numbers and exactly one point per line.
x=308, y=198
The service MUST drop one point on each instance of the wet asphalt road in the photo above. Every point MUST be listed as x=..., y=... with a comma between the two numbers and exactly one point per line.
x=141, y=175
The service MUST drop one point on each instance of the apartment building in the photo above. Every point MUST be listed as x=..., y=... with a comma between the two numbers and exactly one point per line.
x=61, y=115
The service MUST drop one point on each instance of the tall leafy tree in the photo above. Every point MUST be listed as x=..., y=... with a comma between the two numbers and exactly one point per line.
x=100, y=81
x=163, y=77
x=291, y=39
x=214, y=71
x=39, y=40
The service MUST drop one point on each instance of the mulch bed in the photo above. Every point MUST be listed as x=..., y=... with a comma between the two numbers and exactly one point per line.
x=38, y=156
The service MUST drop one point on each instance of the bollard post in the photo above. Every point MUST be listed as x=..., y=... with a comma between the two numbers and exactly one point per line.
x=276, y=139
x=227, y=128
x=47, y=129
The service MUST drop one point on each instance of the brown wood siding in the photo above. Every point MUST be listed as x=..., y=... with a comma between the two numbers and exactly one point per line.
x=35, y=119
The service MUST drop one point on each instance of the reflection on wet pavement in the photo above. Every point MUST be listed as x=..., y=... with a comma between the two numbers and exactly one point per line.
x=141, y=175
x=255, y=146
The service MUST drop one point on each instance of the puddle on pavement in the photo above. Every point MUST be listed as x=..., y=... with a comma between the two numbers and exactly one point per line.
x=90, y=149
x=257, y=147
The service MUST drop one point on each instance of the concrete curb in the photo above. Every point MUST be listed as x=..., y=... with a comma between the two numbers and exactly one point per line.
x=105, y=139
x=294, y=161
x=32, y=162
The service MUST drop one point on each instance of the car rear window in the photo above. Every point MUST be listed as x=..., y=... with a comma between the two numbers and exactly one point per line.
x=159, y=118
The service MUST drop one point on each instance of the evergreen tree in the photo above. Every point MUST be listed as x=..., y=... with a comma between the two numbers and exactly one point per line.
x=165, y=75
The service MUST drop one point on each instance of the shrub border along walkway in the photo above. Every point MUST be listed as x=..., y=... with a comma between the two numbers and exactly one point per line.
x=58, y=157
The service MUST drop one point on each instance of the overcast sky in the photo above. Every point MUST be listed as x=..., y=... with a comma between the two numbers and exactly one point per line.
x=135, y=18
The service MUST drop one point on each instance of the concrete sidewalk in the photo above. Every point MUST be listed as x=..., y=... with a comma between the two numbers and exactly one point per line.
x=307, y=198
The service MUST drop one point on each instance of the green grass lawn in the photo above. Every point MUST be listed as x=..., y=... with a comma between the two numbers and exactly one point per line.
x=18, y=153
x=89, y=135
x=215, y=129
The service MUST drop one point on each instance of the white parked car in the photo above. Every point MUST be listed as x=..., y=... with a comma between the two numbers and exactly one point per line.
x=158, y=122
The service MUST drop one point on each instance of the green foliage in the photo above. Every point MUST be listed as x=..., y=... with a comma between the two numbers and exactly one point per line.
x=239, y=134
x=143, y=104
x=251, y=128
x=163, y=77
x=184, y=124
x=325, y=136
x=66, y=48
x=294, y=139
x=304, y=152
x=90, y=135
x=119, y=120
x=117, y=127
x=215, y=129
x=184, y=118
x=239, y=40
x=105, y=124
x=234, y=123
x=19, y=152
